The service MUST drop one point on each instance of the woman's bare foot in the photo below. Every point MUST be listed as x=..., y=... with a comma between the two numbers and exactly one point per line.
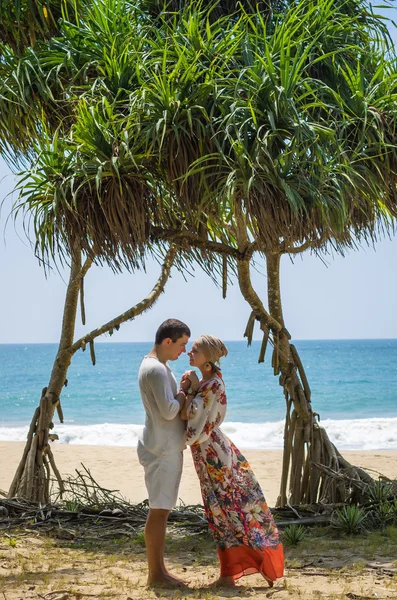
x=165, y=579
x=224, y=582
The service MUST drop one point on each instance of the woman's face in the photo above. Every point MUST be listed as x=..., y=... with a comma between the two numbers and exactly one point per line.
x=197, y=358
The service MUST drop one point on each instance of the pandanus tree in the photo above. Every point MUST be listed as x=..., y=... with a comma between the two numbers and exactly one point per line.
x=226, y=135
x=331, y=172
x=90, y=193
x=339, y=180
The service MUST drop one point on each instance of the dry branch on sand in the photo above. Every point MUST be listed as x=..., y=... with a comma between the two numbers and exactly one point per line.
x=86, y=510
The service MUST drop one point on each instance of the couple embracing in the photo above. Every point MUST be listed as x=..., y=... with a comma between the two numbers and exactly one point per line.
x=190, y=414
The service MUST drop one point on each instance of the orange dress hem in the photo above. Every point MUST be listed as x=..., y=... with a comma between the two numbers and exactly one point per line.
x=243, y=560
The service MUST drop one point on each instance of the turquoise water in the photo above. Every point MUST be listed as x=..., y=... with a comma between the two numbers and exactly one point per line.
x=350, y=379
x=354, y=388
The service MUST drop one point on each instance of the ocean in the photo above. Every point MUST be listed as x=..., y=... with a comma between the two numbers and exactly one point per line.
x=353, y=382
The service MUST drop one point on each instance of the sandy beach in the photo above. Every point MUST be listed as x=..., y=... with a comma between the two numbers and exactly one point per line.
x=63, y=568
x=117, y=468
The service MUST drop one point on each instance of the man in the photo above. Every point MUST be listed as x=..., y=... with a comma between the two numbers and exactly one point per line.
x=163, y=441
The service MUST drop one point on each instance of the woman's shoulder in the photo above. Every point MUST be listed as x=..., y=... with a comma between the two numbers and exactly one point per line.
x=215, y=384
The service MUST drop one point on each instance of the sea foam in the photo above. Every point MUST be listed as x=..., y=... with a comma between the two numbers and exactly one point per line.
x=353, y=434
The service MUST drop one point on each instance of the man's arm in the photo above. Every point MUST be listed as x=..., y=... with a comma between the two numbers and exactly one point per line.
x=186, y=407
x=168, y=406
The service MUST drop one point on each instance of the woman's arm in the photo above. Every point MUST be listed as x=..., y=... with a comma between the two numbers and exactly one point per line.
x=207, y=410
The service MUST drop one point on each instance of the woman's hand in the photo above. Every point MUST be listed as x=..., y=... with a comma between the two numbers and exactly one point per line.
x=193, y=380
x=185, y=382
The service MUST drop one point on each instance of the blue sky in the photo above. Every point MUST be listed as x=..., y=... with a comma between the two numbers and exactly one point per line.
x=344, y=297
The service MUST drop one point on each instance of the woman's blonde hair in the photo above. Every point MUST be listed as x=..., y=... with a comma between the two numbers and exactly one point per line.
x=213, y=349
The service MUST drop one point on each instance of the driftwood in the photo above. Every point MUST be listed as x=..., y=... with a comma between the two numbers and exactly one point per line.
x=86, y=510
x=124, y=519
x=89, y=522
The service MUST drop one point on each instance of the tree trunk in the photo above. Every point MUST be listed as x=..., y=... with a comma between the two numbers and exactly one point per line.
x=306, y=444
x=313, y=470
x=33, y=475
x=32, y=478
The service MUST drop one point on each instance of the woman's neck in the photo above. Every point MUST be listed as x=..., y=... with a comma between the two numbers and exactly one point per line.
x=206, y=375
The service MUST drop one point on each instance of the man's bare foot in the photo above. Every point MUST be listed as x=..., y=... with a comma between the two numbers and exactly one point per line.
x=165, y=579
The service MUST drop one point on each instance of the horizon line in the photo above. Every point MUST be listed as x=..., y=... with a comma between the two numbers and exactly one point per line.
x=235, y=340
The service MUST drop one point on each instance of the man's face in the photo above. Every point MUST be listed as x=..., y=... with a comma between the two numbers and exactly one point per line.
x=175, y=349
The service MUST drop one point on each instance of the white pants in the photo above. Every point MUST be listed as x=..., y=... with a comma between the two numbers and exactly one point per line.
x=162, y=477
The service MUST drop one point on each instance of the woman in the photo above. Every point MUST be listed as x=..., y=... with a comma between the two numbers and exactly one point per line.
x=242, y=525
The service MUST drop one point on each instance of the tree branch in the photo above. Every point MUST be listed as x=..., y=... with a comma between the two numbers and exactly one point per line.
x=135, y=310
x=246, y=250
x=193, y=240
x=253, y=299
x=295, y=249
x=86, y=266
x=285, y=249
x=254, y=247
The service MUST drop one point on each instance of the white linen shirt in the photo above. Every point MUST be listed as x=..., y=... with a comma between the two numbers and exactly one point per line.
x=164, y=431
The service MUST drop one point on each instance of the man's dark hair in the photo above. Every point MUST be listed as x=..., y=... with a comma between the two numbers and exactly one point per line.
x=171, y=328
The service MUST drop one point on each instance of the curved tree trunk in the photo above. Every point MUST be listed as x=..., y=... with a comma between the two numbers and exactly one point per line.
x=32, y=478
x=299, y=442
x=33, y=475
x=312, y=465
x=313, y=470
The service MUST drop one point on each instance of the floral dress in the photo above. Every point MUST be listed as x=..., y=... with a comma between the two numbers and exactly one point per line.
x=242, y=525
